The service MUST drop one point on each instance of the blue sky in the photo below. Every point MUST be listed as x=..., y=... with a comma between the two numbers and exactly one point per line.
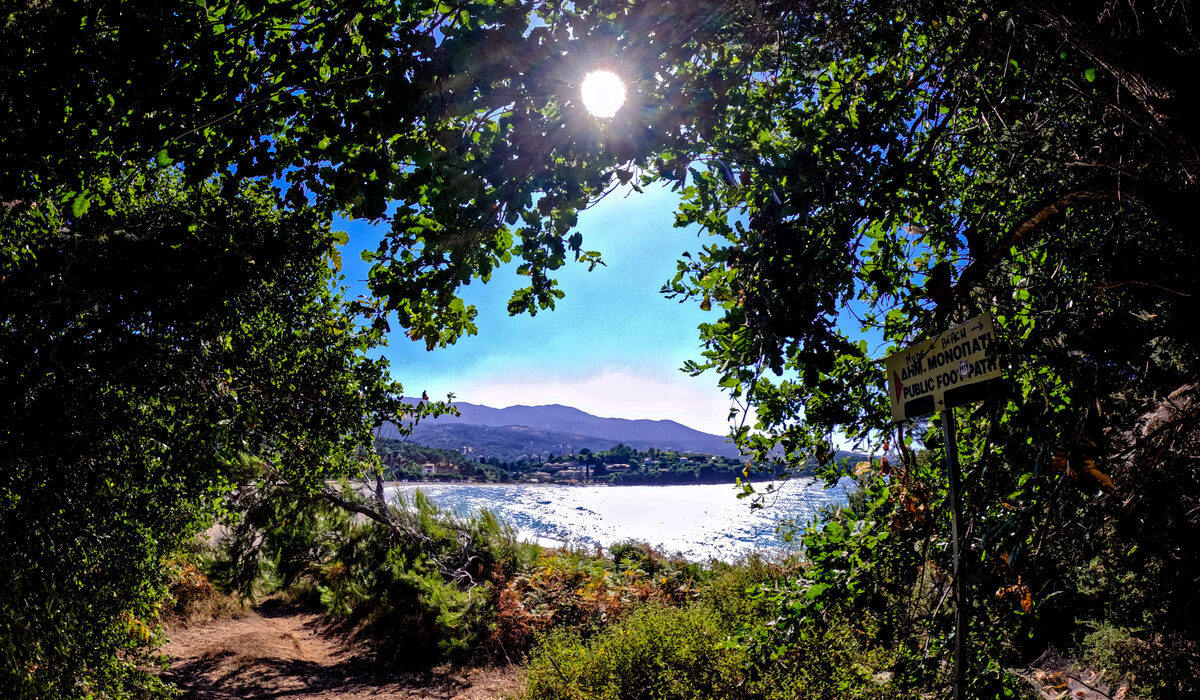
x=612, y=347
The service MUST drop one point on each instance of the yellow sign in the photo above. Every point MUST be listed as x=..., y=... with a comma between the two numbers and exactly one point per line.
x=948, y=370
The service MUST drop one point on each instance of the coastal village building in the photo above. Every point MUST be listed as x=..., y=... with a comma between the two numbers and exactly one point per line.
x=573, y=473
x=435, y=468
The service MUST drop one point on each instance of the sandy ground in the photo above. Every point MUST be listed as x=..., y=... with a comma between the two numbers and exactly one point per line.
x=280, y=653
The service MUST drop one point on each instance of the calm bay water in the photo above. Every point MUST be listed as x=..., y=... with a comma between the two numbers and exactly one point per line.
x=699, y=522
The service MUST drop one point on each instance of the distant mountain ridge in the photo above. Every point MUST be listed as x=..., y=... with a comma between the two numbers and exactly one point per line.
x=506, y=442
x=516, y=431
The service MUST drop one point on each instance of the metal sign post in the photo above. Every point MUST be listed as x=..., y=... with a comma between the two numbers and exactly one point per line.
x=952, y=369
x=960, y=617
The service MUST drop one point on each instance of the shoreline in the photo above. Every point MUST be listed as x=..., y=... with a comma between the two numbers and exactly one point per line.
x=698, y=524
x=731, y=484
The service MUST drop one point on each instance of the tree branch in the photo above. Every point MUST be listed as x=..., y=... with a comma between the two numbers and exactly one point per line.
x=380, y=516
x=978, y=269
x=1139, y=283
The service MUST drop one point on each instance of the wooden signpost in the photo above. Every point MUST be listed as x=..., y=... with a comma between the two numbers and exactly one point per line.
x=954, y=368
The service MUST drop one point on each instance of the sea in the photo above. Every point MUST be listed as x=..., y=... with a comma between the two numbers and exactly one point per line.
x=697, y=522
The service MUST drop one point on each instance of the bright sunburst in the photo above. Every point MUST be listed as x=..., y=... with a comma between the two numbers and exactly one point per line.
x=603, y=93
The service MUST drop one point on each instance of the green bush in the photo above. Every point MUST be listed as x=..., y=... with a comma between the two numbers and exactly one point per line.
x=838, y=661
x=423, y=589
x=1155, y=665
x=115, y=450
x=629, y=554
x=731, y=591
x=666, y=653
x=656, y=652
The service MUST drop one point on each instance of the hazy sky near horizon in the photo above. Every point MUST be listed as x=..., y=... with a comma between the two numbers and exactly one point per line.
x=612, y=346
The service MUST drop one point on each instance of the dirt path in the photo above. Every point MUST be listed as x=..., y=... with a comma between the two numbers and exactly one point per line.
x=1057, y=677
x=1076, y=685
x=278, y=653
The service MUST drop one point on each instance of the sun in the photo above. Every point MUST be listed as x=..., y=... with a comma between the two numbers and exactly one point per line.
x=603, y=93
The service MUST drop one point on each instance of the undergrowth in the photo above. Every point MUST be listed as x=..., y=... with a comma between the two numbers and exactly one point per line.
x=425, y=586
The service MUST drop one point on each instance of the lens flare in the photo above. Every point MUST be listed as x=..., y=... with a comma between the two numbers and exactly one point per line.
x=603, y=93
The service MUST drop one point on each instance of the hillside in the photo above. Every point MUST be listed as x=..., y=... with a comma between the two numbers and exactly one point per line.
x=521, y=431
x=505, y=442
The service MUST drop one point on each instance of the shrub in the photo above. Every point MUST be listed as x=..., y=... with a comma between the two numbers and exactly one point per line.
x=422, y=589
x=731, y=592
x=570, y=589
x=629, y=554
x=191, y=597
x=840, y=660
x=1155, y=665
x=657, y=652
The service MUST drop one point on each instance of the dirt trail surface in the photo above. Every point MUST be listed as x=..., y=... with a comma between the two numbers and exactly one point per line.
x=279, y=653
x=1076, y=685
x=1058, y=678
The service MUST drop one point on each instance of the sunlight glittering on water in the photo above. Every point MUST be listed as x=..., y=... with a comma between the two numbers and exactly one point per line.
x=699, y=522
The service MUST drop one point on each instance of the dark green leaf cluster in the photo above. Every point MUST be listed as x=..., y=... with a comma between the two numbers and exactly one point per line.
x=893, y=168
x=146, y=351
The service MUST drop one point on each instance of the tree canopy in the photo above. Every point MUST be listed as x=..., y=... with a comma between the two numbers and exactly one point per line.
x=170, y=305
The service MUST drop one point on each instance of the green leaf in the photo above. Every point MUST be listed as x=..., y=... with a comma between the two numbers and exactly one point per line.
x=80, y=205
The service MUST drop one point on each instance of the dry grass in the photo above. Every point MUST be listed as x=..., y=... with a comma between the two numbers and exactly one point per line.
x=192, y=599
